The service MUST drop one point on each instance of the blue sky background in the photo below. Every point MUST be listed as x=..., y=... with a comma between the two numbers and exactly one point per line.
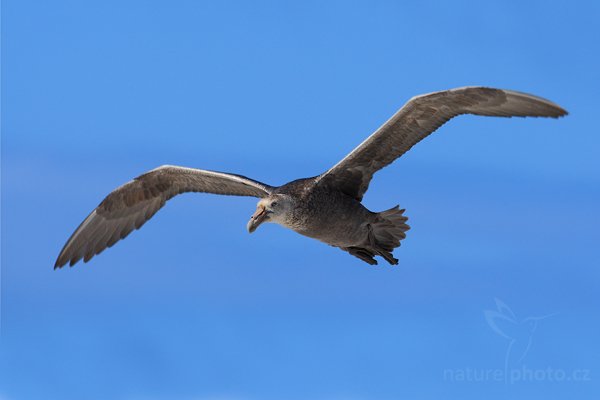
x=192, y=307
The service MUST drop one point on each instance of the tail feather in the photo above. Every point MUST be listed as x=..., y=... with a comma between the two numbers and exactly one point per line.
x=391, y=229
x=384, y=236
x=387, y=233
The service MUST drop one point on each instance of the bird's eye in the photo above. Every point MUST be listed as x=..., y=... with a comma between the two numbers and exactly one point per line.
x=274, y=204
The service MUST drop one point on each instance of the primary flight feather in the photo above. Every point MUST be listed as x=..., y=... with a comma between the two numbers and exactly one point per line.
x=327, y=207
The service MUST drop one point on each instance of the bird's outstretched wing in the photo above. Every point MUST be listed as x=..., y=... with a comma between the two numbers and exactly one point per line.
x=131, y=205
x=421, y=116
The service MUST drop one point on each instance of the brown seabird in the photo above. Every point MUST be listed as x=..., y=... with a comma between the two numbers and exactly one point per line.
x=326, y=207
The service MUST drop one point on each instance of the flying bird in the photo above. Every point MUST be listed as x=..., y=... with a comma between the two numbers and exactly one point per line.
x=326, y=207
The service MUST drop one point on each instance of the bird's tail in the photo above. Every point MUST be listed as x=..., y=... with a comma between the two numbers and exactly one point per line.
x=387, y=232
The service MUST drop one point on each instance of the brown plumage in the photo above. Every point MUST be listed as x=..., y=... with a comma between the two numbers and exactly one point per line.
x=131, y=205
x=326, y=207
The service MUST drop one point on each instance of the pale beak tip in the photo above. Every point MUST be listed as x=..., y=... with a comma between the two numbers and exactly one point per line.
x=256, y=219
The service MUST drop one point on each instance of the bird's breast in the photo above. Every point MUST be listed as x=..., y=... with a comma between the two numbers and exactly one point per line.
x=333, y=218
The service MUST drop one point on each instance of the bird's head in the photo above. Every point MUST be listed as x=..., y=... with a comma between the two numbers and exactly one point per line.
x=274, y=208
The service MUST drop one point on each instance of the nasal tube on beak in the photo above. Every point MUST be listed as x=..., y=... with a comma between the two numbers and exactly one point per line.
x=257, y=218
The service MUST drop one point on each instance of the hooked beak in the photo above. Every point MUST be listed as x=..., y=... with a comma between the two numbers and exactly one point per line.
x=257, y=218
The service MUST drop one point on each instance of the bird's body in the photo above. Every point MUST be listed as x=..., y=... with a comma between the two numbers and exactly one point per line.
x=327, y=207
x=331, y=217
x=319, y=213
x=337, y=219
